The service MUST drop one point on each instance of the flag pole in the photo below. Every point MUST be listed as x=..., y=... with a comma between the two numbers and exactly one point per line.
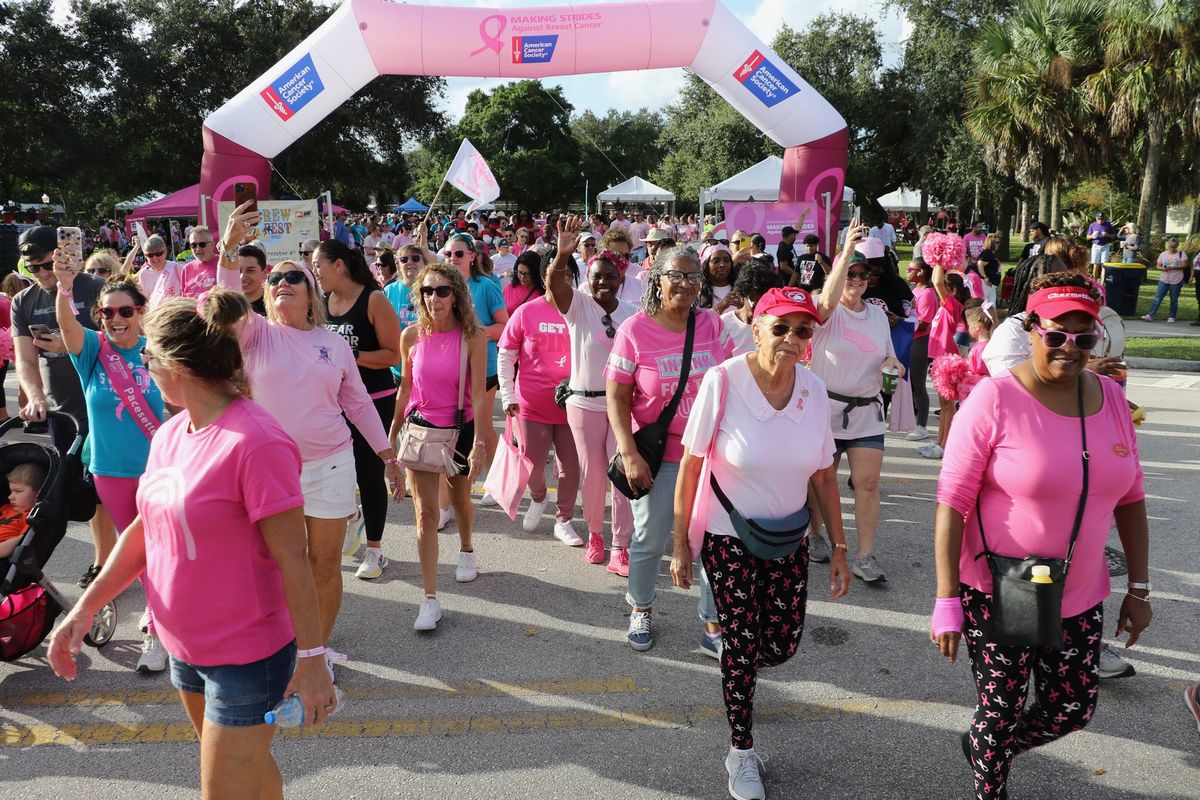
x=434, y=203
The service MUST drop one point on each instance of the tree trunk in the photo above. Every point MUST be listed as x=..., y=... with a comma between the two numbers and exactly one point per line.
x=1045, y=189
x=924, y=215
x=1023, y=222
x=1158, y=220
x=1154, y=136
x=1055, y=207
x=1008, y=205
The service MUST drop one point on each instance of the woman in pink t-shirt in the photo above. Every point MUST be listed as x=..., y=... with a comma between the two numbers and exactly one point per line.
x=924, y=308
x=526, y=283
x=1015, y=466
x=642, y=375
x=220, y=537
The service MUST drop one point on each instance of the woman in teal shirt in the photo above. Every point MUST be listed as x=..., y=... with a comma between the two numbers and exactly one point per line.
x=124, y=406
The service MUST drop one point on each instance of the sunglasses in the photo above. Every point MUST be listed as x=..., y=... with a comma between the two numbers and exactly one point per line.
x=292, y=276
x=590, y=244
x=195, y=245
x=99, y=271
x=607, y=322
x=126, y=312
x=737, y=241
x=677, y=278
x=441, y=291
x=717, y=241
x=1056, y=340
x=306, y=253
x=455, y=253
x=410, y=259
x=858, y=275
x=779, y=331
x=156, y=254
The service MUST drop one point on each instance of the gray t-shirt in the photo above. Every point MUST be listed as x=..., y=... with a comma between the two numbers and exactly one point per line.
x=35, y=305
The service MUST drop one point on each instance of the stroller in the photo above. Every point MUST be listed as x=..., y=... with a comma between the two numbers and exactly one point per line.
x=29, y=602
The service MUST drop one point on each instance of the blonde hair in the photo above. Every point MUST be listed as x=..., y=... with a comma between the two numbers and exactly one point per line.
x=104, y=258
x=13, y=284
x=200, y=337
x=316, y=303
x=977, y=316
x=464, y=309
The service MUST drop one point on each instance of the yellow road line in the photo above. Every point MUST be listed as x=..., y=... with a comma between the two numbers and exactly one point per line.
x=612, y=684
x=458, y=725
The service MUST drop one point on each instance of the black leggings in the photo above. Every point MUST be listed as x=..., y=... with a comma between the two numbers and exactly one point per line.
x=369, y=470
x=918, y=370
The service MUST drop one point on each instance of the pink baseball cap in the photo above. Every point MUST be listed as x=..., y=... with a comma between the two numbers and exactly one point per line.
x=870, y=247
x=778, y=302
x=1054, y=301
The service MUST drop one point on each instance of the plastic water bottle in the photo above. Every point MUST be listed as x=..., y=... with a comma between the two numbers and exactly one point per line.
x=290, y=711
x=1041, y=574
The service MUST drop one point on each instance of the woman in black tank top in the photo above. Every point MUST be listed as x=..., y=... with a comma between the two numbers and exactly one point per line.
x=360, y=313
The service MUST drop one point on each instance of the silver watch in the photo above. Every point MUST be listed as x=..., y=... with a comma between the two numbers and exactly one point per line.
x=1143, y=586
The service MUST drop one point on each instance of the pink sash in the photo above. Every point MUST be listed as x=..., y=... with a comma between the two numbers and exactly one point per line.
x=128, y=392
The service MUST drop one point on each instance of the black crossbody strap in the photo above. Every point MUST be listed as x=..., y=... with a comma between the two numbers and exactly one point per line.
x=1086, y=457
x=685, y=368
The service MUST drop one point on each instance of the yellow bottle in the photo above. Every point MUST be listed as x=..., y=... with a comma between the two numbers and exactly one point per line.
x=1041, y=574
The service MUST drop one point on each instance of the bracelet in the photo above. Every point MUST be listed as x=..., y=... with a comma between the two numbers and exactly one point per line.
x=840, y=546
x=390, y=461
x=481, y=442
x=315, y=651
x=1145, y=599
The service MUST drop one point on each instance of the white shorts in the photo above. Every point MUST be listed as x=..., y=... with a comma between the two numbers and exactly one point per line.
x=328, y=486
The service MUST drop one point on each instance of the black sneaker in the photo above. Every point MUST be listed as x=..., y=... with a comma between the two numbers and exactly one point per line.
x=88, y=576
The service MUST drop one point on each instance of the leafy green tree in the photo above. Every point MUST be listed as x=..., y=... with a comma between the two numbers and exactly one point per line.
x=617, y=146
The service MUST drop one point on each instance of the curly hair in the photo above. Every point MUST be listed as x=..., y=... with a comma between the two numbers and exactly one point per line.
x=652, y=294
x=754, y=280
x=464, y=308
x=201, y=337
x=1059, y=279
x=707, y=299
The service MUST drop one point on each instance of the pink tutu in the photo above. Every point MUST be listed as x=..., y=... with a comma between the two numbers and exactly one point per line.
x=952, y=377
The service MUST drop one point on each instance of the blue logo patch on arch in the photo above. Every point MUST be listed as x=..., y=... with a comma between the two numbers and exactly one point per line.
x=764, y=80
x=534, y=49
x=293, y=90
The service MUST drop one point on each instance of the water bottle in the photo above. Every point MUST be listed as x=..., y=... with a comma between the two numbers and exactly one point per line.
x=1041, y=574
x=290, y=711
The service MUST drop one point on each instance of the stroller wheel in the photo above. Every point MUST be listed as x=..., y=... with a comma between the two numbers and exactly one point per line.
x=103, y=627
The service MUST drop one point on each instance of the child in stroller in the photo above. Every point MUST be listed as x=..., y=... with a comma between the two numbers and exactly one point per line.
x=45, y=491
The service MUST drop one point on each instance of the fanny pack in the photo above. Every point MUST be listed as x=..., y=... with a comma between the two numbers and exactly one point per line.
x=1025, y=613
x=768, y=539
x=426, y=449
x=563, y=392
x=853, y=403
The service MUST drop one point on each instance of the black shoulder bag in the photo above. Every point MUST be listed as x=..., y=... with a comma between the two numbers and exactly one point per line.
x=651, y=440
x=1026, y=613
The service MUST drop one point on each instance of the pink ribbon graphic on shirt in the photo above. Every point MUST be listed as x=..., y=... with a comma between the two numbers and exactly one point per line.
x=491, y=41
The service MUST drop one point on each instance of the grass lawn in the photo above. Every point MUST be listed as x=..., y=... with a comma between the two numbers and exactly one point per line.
x=1182, y=348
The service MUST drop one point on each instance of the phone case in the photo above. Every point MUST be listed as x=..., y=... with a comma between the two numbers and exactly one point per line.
x=70, y=241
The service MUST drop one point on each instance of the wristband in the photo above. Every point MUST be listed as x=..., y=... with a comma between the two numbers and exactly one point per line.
x=840, y=546
x=311, y=653
x=65, y=292
x=947, y=616
x=1145, y=599
x=390, y=461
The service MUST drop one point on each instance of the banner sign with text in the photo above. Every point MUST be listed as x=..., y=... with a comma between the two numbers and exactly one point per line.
x=771, y=218
x=282, y=228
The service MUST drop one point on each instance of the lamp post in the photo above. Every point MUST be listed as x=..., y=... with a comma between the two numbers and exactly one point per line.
x=586, y=215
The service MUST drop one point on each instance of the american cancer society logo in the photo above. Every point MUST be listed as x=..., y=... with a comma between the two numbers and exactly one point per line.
x=534, y=49
x=764, y=80
x=292, y=90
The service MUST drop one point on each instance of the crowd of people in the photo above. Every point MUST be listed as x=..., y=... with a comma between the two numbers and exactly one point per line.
x=240, y=414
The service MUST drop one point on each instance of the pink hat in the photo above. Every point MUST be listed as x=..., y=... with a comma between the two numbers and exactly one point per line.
x=778, y=302
x=870, y=247
x=1054, y=301
x=707, y=251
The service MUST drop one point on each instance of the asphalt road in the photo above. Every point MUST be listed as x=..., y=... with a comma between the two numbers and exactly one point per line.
x=528, y=690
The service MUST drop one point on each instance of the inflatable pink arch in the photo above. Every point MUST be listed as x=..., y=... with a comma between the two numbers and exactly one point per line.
x=367, y=38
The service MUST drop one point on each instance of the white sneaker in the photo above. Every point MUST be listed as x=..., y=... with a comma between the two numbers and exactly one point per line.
x=745, y=782
x=468, y=567
x=443, y=518
x=533, y=514
x=154, y=656
x=354, y=534
x=488, y=500
x=931, y=451
x=565, y=532
x=144, y=621
x=918, y=435
x=428, y=615
x=372, y=564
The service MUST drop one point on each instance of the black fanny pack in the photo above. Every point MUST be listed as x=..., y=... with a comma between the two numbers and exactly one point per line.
x=853, y=403
x=768, y=539
x=564, y=391
x=1028, y=613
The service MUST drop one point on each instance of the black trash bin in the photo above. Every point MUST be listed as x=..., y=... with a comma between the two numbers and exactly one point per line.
x=1121, y=285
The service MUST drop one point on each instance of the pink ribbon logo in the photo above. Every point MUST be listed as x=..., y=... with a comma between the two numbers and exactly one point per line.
x=491, y=41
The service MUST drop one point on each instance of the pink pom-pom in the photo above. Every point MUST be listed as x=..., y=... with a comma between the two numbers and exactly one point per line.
x=948, y=373
x=945, y=250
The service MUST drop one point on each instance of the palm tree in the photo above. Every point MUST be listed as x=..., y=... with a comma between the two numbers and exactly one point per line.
x=1026, y=107
x=1150, y=80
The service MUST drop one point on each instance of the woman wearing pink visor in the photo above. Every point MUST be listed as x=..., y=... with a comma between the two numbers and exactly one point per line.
x=1039, y=462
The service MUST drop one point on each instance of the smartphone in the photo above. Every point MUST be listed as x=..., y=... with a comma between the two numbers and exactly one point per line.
x=40, y=331
x=243, y=192
x=70, y=242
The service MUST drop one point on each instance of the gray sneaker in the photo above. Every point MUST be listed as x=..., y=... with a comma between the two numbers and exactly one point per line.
x=818, y=549
x=1113, y=666
x=867, y=568
x=745, y=782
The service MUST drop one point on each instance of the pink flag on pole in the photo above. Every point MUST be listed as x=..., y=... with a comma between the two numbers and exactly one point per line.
x=472, y=176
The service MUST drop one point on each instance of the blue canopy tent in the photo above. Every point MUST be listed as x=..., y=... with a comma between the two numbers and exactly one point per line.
x=411, y=204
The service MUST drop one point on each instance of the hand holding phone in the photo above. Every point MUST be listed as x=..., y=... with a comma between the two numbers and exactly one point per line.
x=70, y=242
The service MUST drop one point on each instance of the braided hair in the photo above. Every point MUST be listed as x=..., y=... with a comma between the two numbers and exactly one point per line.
x=1024, y=275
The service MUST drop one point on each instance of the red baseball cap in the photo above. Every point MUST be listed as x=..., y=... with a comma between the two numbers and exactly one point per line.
x=1054, y=301
x=778, y=302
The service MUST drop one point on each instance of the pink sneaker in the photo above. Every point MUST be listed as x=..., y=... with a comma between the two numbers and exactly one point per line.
x=619, y=562
x=595, y=549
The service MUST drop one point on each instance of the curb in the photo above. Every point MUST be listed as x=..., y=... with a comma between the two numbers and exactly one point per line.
x=1162, y=364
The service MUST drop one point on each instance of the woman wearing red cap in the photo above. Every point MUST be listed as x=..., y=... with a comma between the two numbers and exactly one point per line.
x=762, y=415
x=1039, y=461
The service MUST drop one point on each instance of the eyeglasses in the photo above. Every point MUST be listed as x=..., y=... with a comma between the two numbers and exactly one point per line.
x=306, y=253
x=1056, y=340
x=156, y=254
x=455, y=253
x=677, y=278
x=857, y=275
x=196, y=245
x=779, y=331
x=98, y=271
x=441, y=291
x=408, y=259
x=607, y=322
x=524, y=273
x=126, y=312
x=292, y=276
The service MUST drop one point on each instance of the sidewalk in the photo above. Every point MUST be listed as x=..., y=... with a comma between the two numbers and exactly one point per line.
x=1138, y=327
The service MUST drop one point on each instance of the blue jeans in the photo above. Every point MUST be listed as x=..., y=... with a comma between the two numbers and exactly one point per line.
x=653, y=524
x=1161, y=292
x=237, y=695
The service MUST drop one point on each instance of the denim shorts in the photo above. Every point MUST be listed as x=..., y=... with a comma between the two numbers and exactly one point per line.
x=870, y=442
x=237, y=695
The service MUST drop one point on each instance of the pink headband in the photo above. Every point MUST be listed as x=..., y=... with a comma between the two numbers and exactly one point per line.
x=620, y=262
x=707, y=251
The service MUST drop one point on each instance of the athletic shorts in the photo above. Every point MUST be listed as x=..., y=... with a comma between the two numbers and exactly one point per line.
x=237, y=695
x=328, y=485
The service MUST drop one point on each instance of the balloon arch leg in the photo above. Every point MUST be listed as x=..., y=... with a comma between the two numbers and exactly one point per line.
x=360, y=41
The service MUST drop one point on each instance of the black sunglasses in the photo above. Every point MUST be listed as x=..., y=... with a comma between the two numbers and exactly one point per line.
x=126, y=312
x=306, y=253
x=412, y=259
x=199, y=244
x=441, y=291
x=607, y=322
x=456, y=253
x=857, y=274
x=779, y=330
x=48, y=267
x=156, y=254
x=292, y=276
x=99, y=271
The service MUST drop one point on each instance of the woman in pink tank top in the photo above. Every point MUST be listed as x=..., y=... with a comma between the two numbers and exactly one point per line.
x=430, y=391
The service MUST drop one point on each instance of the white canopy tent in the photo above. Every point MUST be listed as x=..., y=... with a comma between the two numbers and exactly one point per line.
x=635, y=190
x=905, y=199
x=759, y=183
